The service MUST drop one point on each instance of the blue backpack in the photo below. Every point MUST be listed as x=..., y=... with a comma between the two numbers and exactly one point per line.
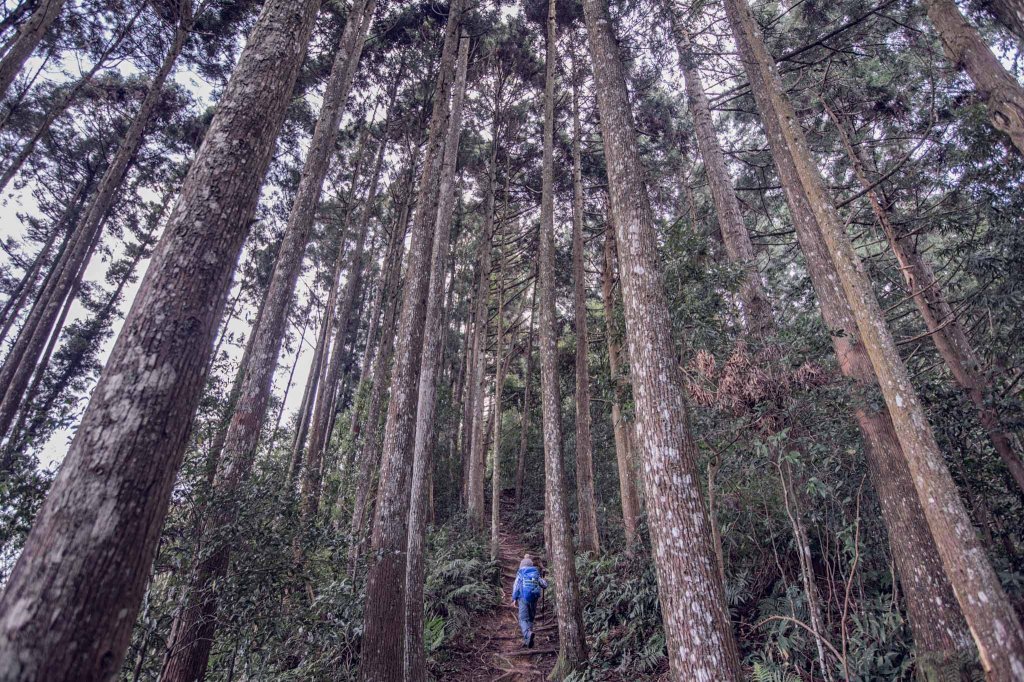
x=530, y=583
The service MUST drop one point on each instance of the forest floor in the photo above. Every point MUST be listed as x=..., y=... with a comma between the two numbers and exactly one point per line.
x=496, y=653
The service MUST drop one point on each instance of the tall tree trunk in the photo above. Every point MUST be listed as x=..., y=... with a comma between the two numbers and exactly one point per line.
x=189, y=652
x=942, y=324
x=291, y=379
x=369, y=449
x=997, y=87
x=331, y=361
x=756, y=309
x=323, y=416
x=572, y=653
x=993, y=623
x=73, y=617
x=466, y=387
x=433, y=347
x=524, y=422
x=475, y=472
x=16, y=372
x=589, y=540
x=28, y=38
x=688, y=581
x=623, y=456
x=382, y=656
x=499, y=385
x=305, y=413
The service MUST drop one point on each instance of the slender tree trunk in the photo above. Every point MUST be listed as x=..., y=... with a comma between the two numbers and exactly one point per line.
x=382, y=656
x=28, y=38
x=291, y=380
x=327, y=384
x=72, y=598
x=323, y=417
x=572, y=653
x=997, y=87
x=433, y=347
x=189, y=651
x=700, y=648
x=499, y=385
x=942, y=324
x=305, y=413
x=369, y=450
x=16, y=372
x=993, y=623
x=791, y=503
x=623, y=457
x=589, y=540
x=524, y=423
x=756, y=309
x=476, y=473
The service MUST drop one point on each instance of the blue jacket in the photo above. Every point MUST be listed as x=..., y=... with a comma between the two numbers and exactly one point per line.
x=528, y=584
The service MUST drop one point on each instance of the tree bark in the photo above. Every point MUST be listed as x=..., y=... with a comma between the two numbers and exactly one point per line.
x=28, y=38
x=71, y=601
x=589, y=540
x=572, y=645
x=426, y=404
x=382, y=656
x=16, y=372
x=189, y=651
x=997, y=87
x=623, y=456
x=993, y=623
x=702, y=647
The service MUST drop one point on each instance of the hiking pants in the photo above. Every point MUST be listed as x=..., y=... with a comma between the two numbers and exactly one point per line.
x=527, y=612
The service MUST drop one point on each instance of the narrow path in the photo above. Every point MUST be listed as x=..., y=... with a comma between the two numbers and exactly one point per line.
x=497, y=653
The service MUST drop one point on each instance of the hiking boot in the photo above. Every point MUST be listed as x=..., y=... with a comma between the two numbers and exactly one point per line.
x=529, y=640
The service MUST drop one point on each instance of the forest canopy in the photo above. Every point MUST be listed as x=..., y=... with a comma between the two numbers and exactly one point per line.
x=567, y=339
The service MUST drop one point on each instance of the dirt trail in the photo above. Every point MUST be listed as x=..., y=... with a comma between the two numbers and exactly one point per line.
x=497, y=653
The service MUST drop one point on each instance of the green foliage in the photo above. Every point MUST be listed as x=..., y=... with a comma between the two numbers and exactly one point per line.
x=461, y=585
x=622, y=617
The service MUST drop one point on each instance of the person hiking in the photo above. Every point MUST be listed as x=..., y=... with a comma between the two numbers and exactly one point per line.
x=526, y=591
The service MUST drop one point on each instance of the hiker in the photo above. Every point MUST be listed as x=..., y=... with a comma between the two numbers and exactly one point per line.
x=526, y=591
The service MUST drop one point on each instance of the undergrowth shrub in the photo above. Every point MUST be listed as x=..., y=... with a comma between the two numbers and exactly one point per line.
x=461, y=585
x=622, y=618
